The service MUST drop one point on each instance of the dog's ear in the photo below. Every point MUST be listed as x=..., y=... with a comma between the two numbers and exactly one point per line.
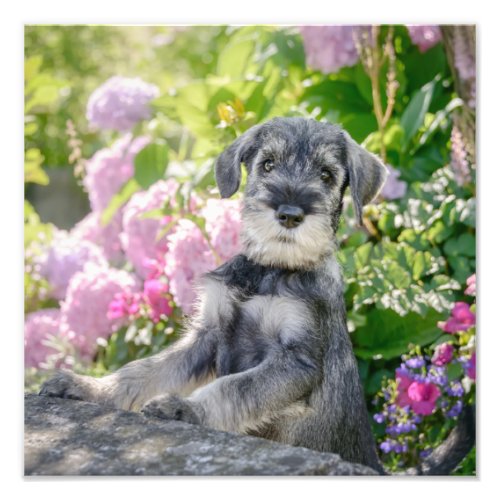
x=228, y=164
x=367, y=175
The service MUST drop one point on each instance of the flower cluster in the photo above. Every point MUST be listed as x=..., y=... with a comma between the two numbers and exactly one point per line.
x=64, y=257
x=329, y=48
x=430, y=388
x=459, y=159
x=393, y=188
x=119, y=103
x=424, y=36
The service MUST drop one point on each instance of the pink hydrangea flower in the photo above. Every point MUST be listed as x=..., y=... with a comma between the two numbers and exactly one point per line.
x=424, y=36
x=462, y=318
x=124, y=305
x=471, y=285
x=139, y=236
x=155, y=295
x=65, y=256
x=443, y=354
x=459, y=159
x=39, y=326
x=84, y=315
x=393, y=188
x=119, y=103
x=223, y=225
x=110, y=168
x=188, y=257
x=329, y=48
x=106, y=237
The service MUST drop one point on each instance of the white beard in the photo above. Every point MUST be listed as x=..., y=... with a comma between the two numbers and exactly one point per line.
x=267, y=242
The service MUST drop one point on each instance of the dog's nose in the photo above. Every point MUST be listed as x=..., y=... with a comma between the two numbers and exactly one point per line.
x=289, y=216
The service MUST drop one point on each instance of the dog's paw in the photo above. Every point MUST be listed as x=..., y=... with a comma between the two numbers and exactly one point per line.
x=67, y=385
x=173, y=408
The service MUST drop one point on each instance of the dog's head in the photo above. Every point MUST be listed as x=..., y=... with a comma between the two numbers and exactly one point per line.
x=298, y=170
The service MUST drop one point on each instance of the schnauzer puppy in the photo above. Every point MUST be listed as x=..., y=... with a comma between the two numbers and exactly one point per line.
x=268, y=352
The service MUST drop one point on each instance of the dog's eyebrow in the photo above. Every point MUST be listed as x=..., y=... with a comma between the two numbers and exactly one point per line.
x=274, y=146
x=328, y=154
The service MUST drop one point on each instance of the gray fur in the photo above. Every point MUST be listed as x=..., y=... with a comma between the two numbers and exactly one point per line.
x=268, y=352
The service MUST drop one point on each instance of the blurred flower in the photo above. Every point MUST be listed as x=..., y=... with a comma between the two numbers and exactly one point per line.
x=107, y=237
x=110, y=168
x=443, y=354
x=470, y=367
x=155, y=294
x=465, y=55
x=415, y=362
x=188, y=257
x=424, y=36
x=39, y=326
x=124, y=305
x=403, y=382
x=84, y=315
x=223, y=225
x=139, y=236
x=119, y=103
x=393, y=188
x=65, y=256
x=329, y=48
x=459, y=160
x=455, y=410
x=471, y=285
x=462, y=318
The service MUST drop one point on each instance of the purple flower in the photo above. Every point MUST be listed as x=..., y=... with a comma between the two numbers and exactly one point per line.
x=393, y=188
x=455, y=389
x=459, y=159
x=119, y=103
x=329, y=48
x=455, y=410
x=387, y=446
x=379, y=417
x=415, y=363
x=424, y=36
x=425, y=453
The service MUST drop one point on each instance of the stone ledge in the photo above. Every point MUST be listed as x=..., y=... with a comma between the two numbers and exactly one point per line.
x=73, y=438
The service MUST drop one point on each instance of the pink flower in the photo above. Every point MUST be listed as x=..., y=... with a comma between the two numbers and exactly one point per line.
x=443, y=354
x=84, y=312
x=423, y=396
x=189, y=257
x=223, y=225
x=119, y=103
x=65, y=256
x=124, y=305
x=462, y=318
x=39, y=326
x=139, y=237
x=329, y=48
x=471, y=367
x=110, y=168
x=403, y=381
x=393, y=188
x=459, y=161
x=425, y=37
x=155, y=294
x=106, y=237
x=471, y=285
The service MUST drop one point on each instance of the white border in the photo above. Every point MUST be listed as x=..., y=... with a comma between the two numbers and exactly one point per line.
x=239, y=12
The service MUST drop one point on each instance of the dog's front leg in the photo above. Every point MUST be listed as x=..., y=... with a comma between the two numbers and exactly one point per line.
x=242, y=401
x=178, y=369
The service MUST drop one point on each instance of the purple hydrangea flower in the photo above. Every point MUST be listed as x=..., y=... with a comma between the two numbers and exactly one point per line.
x=379, y=417
x=119, y=103
x=393, y=188
x=329, y=48
x=424, y=36
x=415, y=363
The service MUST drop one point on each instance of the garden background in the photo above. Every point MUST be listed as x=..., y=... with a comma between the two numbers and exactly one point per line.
x=122, y=126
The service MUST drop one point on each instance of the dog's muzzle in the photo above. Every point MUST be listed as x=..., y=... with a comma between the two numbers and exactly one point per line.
x=290, y=216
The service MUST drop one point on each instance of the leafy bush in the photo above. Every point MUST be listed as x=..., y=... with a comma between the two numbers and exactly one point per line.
x=118, y=285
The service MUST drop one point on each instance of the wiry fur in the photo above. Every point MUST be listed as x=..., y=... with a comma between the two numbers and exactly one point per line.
x=268, y=352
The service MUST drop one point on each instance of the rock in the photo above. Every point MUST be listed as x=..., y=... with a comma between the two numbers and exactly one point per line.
x=65, y=437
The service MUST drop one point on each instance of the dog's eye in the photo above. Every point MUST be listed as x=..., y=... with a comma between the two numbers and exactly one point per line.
x=268, y=165
x=326, y=176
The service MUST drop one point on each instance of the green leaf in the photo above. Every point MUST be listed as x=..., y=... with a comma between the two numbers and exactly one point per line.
x=414, y=114
x=33, y=171
x=454, y=371
x=388, y=335
x=151, y=163
x=118, y=200
x=233, y=61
